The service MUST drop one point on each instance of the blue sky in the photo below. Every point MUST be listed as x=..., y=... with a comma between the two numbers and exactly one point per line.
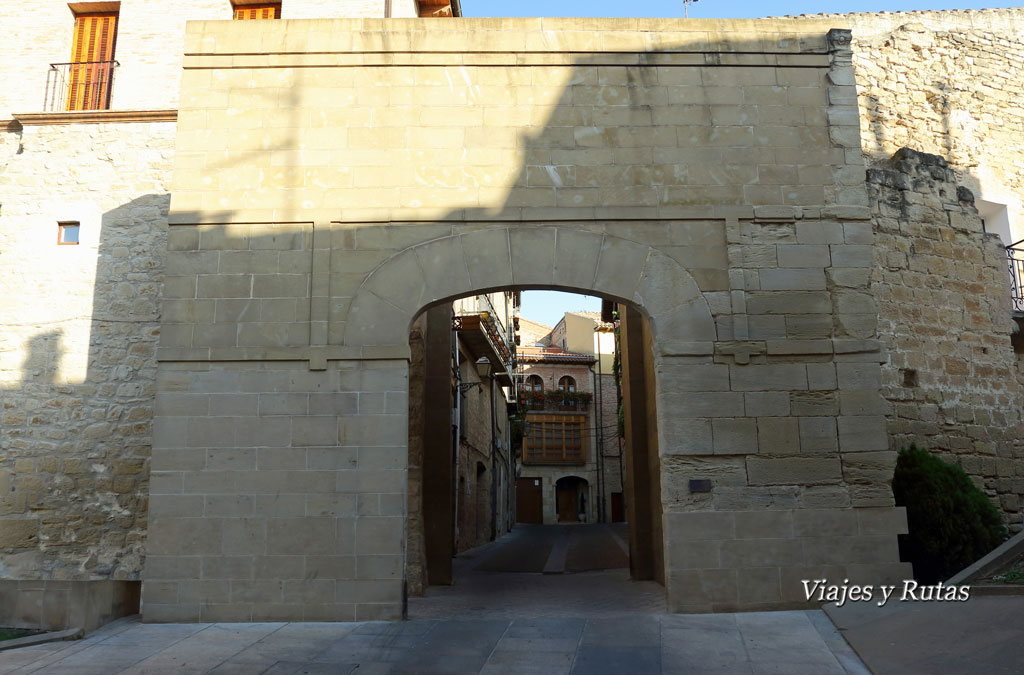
x=704, y=9
x=547, y=307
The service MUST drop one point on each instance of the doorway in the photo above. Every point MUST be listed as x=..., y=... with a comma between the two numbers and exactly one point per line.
x=571, y=496
x=529, y=501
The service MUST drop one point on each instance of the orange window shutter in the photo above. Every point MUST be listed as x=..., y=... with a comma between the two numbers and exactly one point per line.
x=271, y=10
x=92, y=54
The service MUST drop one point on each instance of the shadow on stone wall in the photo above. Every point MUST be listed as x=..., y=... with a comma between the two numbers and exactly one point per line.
x=77, y=423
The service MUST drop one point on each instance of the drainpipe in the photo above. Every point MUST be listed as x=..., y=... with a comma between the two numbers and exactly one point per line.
x=603, y=485
x=597, y=443
x=387, y=9
x=494, y=463
x=455, y=455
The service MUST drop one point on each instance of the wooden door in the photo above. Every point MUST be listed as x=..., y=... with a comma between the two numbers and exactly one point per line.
x=618, y=508
x=529, y=500
x=92, y=56
x=565, y=496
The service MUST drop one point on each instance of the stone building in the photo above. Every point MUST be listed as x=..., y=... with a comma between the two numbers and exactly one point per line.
x=212, y=390
x=582, y=348
x=558, y=476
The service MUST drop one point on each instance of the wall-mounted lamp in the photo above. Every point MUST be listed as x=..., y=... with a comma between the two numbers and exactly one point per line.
x=484, y=368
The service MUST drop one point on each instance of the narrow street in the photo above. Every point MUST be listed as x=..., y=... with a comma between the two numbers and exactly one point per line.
x=544, y=570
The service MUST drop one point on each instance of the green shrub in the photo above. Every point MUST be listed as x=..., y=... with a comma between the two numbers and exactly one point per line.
x=952, y=523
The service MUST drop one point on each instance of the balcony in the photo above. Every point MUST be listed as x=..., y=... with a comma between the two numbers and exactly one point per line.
x=79, y=86
x=486, y=337
x=1015, y=260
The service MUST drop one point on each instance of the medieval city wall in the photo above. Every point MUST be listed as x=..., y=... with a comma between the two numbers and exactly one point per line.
x=946, y=84
x=80, y=323
x=87, y=491
x=941, y=286
x=709, y=174
x=78, y=345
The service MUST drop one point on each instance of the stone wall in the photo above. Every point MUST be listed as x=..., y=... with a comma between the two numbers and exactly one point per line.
x=945, y=83
x=941, y=286
x=475, y=467
x=606, y=430
x=280, y=484
x=415, y=564
x=456, y=168
x=77, y=346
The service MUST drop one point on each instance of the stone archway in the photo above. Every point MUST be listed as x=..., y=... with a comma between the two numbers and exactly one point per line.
x=564, y=257
x=424, y=278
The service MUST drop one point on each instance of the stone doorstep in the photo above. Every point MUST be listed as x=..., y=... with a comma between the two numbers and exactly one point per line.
x=43, y=638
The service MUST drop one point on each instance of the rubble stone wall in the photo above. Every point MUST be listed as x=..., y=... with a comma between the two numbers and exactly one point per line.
x=941, y=286
x=77, y=346
x=945, y=83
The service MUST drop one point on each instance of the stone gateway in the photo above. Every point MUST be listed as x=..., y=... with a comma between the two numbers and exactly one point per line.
x=227, y=417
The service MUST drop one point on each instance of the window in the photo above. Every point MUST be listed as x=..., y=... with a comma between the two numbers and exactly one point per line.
x=263, y=10
x=67, y=232
x=92, y=61
x=533, y=393
x=567, y=384
x=554, y=439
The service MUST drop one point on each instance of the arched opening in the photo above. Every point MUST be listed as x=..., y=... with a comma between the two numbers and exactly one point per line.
x=572, y=499
x=407, y=305
x=534, y=440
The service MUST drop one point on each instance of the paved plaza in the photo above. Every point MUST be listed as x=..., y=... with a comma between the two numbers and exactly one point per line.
x=491, y=621
x=762, y=642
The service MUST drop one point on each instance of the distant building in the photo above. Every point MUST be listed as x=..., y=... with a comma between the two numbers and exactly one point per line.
x=571, y=469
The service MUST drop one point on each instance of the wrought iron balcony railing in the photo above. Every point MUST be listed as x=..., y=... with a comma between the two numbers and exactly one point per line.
x=1015, y=259
x=79, y=86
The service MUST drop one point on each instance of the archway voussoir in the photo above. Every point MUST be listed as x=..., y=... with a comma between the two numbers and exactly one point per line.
x=487, y=258
x=576, y=256
x=532, y=255
x=691, y=322
x=444, y=268
x=664, y=285
x=618, y=270
x=399, y=281
x=375, y=322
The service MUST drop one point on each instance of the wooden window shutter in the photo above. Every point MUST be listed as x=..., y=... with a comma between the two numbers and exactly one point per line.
x=269, y=10
x=92, y=56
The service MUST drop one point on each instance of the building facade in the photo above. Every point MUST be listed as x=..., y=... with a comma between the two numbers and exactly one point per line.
x=576, y=387
x=559, y=453
x=211, y=390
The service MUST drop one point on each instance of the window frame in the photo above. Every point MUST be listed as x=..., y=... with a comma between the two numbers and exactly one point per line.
x=63, y=226
x=555, y=439
x=241, y=8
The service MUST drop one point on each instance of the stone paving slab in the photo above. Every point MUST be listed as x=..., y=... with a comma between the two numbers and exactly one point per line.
x=981, y=635
x=486, y=623
x=768, y=642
